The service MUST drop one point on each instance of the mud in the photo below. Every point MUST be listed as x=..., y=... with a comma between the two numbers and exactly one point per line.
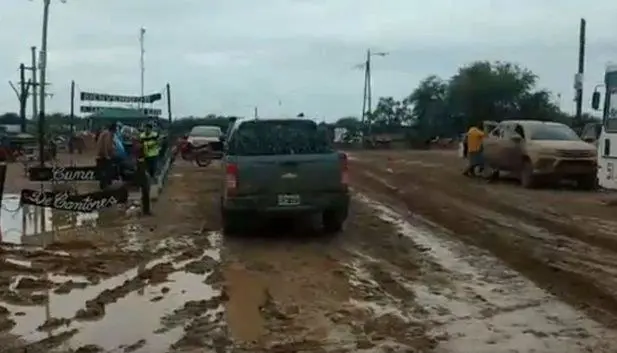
x=111, y=285
x=418, y=268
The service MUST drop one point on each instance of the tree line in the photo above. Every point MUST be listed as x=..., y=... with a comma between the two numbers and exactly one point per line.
x=477, y=92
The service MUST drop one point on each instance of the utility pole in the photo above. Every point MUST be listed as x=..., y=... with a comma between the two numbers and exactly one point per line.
x=369, y=93
x=43, y=71
x=365, y=92
x=23, y=97
x=578, y=81
x=72, y=108
x=35, y=111
x=367, y=102
x=169, y=116
x=142, y=33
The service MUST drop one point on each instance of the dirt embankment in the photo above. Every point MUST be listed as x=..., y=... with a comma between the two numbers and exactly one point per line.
x=566, y=241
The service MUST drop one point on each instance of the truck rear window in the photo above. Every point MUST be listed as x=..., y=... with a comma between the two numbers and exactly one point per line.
x=278, y=137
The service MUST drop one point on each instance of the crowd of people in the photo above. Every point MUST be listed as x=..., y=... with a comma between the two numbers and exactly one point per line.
x=113, y=159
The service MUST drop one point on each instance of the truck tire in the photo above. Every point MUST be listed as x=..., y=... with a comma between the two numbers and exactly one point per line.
x=587, y=182
x=232, y=222
x=528, y=180
x=333, y=221
x=203, y=159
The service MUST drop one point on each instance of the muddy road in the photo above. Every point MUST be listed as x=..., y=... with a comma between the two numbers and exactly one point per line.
x=393, y=281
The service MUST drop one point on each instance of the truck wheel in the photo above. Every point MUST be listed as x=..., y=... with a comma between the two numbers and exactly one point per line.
x=232, y=223
x=528, y=180
x=494, y=175
x=203, y=159
x=587, y=182
x=333, y=221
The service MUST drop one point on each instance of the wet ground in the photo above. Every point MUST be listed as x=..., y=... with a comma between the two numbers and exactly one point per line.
x=400, y=278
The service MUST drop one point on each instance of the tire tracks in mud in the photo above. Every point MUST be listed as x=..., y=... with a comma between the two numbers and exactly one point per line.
x=515, y=246
x=298, y=290
x=480, y=305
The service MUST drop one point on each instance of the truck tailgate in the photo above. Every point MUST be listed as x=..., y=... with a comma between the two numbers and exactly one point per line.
x=280, y=174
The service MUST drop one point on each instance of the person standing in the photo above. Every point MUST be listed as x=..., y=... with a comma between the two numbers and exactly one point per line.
x=473, y=141
x=149, y=140
x=105, y=154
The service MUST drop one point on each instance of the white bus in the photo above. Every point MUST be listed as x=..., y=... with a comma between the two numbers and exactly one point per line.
x=607, y=143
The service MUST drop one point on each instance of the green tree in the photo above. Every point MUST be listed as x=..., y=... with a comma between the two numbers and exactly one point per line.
x=390, y=115
x=10, y=118
x=479, y=91
x=429, y=109
x=496, y=91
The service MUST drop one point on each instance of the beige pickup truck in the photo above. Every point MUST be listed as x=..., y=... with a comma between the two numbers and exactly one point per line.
x=539, y=152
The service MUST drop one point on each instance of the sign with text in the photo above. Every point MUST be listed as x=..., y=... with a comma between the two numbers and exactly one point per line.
x=96, y=109
x=59, y=173
x=76, y=203
x=112, y=98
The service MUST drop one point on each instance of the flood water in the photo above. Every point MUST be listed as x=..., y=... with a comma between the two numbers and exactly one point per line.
x=25, y=225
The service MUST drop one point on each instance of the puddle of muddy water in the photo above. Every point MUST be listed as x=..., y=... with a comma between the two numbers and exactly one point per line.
x=29, y=225
x=136, y=317
x=481, y=305
x=131, y=318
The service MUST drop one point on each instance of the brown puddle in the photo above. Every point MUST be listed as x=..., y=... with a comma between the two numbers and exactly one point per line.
x=145, y=308
x=31, y=225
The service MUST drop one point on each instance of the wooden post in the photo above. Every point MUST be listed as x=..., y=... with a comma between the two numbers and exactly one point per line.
x=168, y=89
x=72, y=120
x=23, y=98
x=144, y=182
x=2, y=180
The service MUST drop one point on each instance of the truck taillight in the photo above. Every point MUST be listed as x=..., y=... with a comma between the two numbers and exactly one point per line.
x=344, y=169
x=231, y=178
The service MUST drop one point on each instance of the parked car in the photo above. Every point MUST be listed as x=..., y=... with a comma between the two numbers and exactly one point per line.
x=283, y=167
x=538, y=151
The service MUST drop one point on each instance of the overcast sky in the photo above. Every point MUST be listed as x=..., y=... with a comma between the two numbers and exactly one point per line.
x=228, y=56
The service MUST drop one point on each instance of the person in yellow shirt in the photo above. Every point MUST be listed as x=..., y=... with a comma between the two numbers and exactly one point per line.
x=473, y=141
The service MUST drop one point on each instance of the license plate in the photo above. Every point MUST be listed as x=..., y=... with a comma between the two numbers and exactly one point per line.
x=288, y=200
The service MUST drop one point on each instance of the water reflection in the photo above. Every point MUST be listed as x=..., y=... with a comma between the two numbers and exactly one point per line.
x=31, y=225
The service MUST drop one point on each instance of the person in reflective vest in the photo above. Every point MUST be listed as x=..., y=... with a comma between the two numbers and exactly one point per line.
x=149, y=140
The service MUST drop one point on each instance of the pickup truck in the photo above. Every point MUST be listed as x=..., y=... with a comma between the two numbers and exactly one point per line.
x=283, y=167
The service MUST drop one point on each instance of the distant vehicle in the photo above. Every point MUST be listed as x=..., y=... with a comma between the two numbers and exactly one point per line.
x=204, y=134
x=283, y=167
x=204, y=141
x=538, y=151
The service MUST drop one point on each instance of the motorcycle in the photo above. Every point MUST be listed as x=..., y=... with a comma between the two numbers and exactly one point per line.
x=201, y=155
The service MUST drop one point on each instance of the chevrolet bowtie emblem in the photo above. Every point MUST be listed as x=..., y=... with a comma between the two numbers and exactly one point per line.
x=288, y=176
